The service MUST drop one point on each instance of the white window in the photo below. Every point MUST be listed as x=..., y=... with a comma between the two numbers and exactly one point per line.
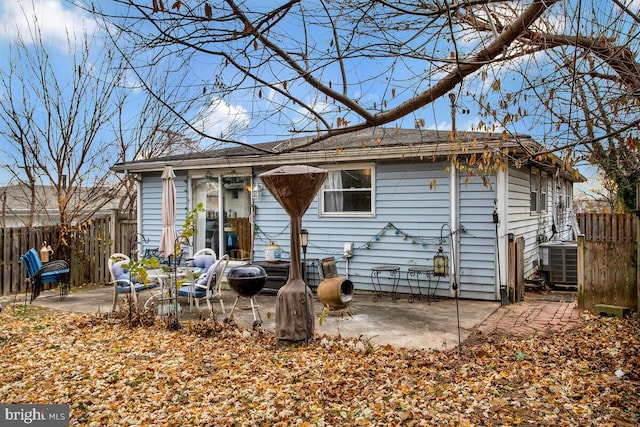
x=535, y=183
x=348, y=192
x=543, y=193
x=539, y=186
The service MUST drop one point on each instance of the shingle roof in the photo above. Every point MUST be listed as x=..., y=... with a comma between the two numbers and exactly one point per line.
x=369, y=144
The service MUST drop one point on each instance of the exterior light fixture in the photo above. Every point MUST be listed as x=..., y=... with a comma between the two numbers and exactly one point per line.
x=256, y=191
x=440, y=264
x=304, y=242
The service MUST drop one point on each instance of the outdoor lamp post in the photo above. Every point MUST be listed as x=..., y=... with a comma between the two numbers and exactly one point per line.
x=304, y=242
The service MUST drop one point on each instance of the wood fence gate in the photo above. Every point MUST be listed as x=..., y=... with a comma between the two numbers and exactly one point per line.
x=608, y=260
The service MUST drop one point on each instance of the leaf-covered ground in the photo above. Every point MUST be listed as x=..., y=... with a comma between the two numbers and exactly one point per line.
x=113, y=375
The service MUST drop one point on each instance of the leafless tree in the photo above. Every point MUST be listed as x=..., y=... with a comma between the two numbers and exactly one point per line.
x=326, y=67
x=54, y=125
x=603, y=198
x=65, y=122
x=147, y=128
x=337, y=66
x=585, y=91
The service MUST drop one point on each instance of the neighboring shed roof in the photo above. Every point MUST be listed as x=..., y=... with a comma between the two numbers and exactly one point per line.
x=370, y=144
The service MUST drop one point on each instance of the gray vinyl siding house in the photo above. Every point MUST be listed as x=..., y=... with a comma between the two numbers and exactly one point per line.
x=415, y=202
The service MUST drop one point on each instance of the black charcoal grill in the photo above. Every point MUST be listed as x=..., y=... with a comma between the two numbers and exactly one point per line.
x=247, y=281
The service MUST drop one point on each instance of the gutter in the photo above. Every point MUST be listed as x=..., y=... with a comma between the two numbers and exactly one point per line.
x=367, y=150
x=420, y=151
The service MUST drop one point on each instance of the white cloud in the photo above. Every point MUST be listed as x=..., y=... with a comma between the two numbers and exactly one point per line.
x=592, y=188
x=221, y=119
x=55, y=22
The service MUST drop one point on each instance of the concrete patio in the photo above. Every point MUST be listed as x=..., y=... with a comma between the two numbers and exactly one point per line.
x=417, y=325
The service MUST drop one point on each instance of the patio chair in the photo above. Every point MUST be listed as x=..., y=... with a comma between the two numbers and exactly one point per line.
x=38, y=273
x=122, y=280
x=200, y=262
x=170, y=261
x=208, y=286
x=205, y=251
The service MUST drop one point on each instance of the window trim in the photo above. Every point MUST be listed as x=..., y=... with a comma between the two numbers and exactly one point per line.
x=534, y=201
x=349, y=166
x=543, y=193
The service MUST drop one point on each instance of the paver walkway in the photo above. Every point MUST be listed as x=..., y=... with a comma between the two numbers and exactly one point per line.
x=539, y=313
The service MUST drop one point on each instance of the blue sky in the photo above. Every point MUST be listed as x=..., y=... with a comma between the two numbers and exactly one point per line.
x=57, y=18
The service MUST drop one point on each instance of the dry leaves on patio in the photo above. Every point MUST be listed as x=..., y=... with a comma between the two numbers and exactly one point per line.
x=110, y=374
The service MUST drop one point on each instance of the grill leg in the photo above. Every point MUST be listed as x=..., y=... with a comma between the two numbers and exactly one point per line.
x=257, y=321
x=230, y=318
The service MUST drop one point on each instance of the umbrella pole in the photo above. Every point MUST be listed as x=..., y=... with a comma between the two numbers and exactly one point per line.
x=175, y=325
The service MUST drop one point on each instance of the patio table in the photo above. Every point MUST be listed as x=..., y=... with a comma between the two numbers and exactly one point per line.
x=392, y=273
x=165, y=300
x=414, y=273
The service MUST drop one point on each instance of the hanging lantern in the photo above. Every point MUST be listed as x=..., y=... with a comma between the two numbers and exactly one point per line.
x=440, y=264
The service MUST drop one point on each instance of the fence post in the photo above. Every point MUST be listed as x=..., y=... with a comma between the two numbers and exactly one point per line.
x=114, y=231
x=580, y=267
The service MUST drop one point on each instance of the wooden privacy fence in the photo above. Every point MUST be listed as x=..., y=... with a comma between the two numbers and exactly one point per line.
x=600, y=227
x=608, y=260
x=87, y=248
x=14, y=242
x=92, y=243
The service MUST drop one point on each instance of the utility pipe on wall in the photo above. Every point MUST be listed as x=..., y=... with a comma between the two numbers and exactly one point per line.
x=502, y=241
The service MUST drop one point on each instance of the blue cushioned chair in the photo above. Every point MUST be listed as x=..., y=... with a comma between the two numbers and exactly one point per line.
x=207, y=286
x=39, y=274
x=122, y=280
x=201, y=261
